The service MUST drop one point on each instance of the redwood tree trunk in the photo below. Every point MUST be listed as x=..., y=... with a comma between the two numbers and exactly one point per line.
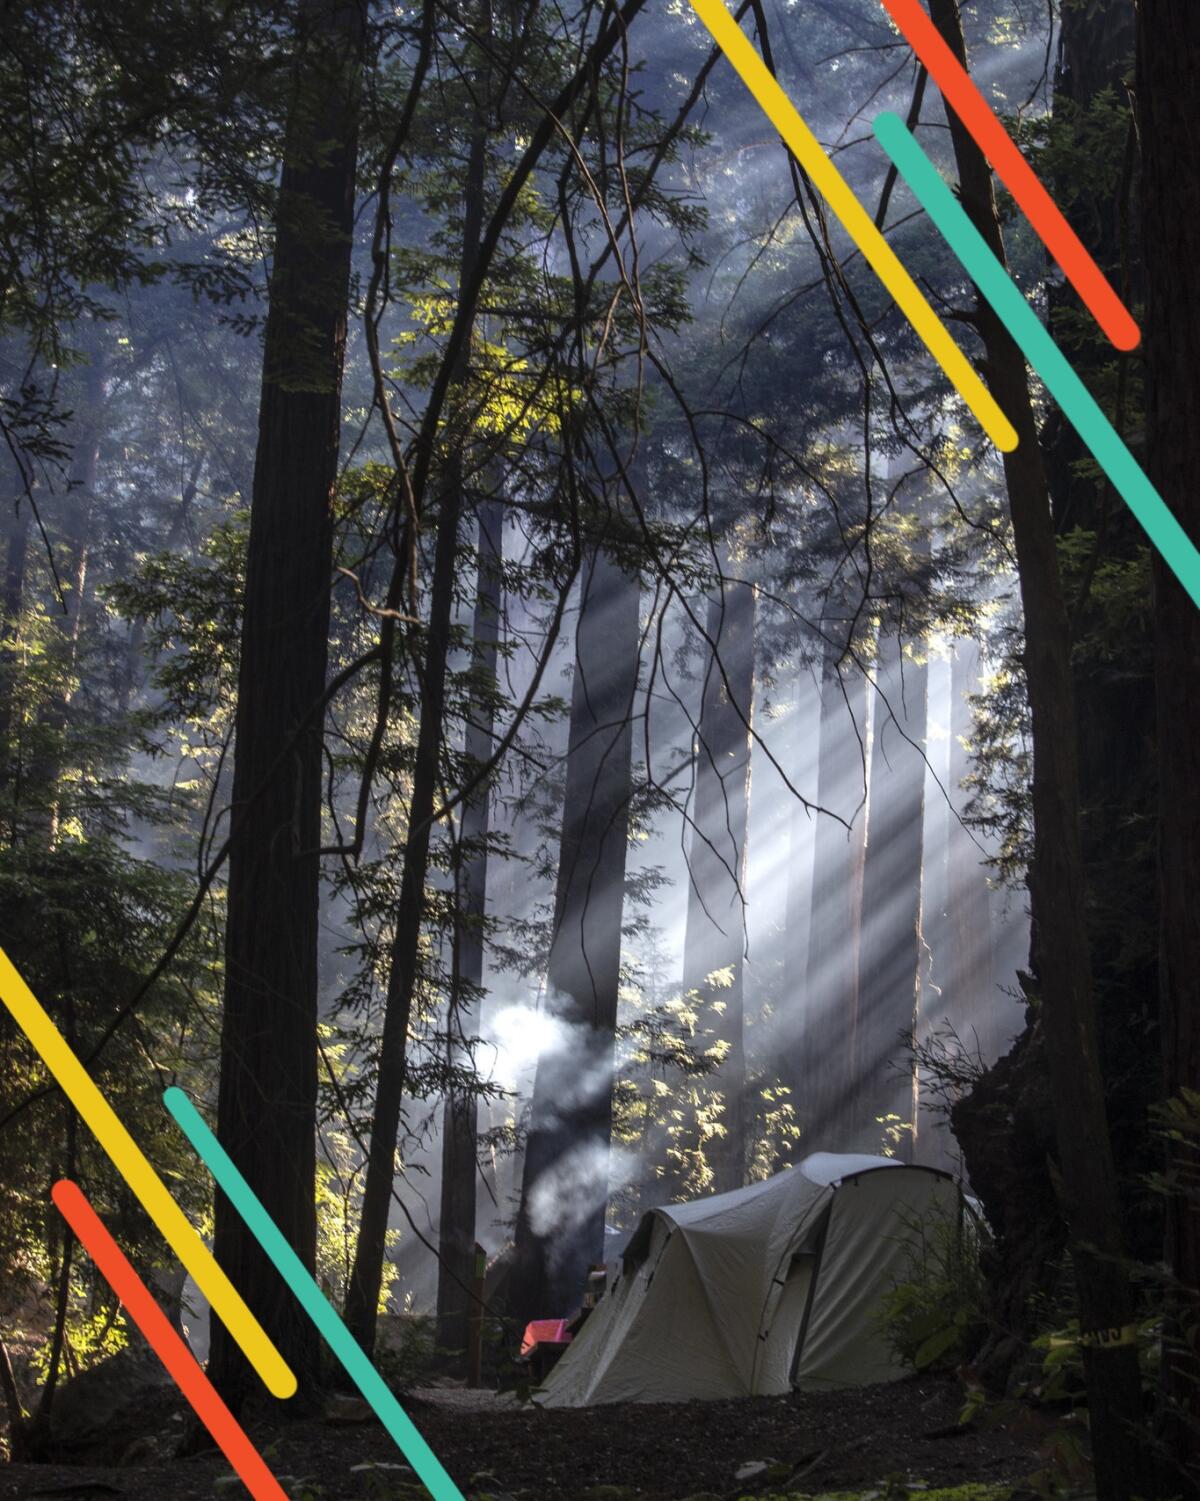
x=460, y=1127
x=891, y=907
x=802, y=769
x=828, y=1036
x=1168, y=67
x=564, y=1189
x=1056, y=884
x=966, y=967
x=268, y=1085
x=715, y=938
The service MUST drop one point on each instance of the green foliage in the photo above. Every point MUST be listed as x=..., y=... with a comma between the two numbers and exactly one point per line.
x=934, y=1317
x=896, y=1134
x=191, y=608
x=407, y=1357
x=83, y=923
x=339, y=1201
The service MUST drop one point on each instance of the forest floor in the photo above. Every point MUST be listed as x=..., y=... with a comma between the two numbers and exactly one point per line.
x=889, y=1439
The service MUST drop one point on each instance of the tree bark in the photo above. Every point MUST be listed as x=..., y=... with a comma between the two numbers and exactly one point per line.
x=1056, y=884
x=715, y=937
x=564, y=1188
x=268, y=1080
x=1168, y=60
x=460, y=1126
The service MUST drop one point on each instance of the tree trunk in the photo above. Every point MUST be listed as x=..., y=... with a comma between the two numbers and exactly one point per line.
x=1114, y=689
x=966, y=967
x=715, y=938
x=460, y=1146
x=1168, y=66
x=59, y=1339
x=564, y=1189
x=797, y=935
x=1096, y=44
x=829, y=1031
x=890, y=946
x=1056, y=885
x=802, y=770
x=10, y=632
x=362, y=1300
x=268, y=1080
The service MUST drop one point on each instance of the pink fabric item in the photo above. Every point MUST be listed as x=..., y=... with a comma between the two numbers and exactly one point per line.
x=545, y=1332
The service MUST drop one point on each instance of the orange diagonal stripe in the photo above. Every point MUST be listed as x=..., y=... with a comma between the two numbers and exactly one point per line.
x=179, y=1361
x=1015, y=172
x=147, y=1187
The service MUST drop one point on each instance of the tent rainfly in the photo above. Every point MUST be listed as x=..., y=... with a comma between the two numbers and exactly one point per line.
x=753, y=1292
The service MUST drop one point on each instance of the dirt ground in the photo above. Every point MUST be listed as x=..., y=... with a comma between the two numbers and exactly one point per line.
x=501, y=1449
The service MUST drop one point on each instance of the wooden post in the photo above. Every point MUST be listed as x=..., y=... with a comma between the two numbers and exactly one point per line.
x=475, y=1320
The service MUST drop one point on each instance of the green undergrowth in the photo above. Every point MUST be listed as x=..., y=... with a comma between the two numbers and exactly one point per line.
x=889, y=1490
x=379, y=1486
x=895, y=1491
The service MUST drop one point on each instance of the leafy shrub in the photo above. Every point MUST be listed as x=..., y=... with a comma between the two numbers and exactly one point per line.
x=934, y=1317
x=406, y=1358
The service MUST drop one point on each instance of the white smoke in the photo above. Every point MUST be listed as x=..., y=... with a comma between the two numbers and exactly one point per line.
x=578, y=1183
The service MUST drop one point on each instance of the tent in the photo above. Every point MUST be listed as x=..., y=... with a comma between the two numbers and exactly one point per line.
x=753, y=1292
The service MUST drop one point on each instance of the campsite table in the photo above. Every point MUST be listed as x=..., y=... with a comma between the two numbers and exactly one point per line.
x=543, y=1344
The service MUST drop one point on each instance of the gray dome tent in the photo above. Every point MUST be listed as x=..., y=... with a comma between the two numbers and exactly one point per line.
x=753, y=1292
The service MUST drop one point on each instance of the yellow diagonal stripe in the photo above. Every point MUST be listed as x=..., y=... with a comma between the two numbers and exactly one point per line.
x=833, y=187
x=76, y=1083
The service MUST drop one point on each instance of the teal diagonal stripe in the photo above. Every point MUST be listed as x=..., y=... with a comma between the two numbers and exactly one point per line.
x=312, y=1299
x=994, y=282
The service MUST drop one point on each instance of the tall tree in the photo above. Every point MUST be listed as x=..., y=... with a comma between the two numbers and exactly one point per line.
x=268, y=1083
x=362, y=1303
x=1091, y=153
x=1168, y=57
x=890, y=943
x=439, y=468
x=564, y=1188
x=965, y=967
x=825, y=1049
x=802, y=769
x=1062, y=963
x=460, y=1118
x=715, y=937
